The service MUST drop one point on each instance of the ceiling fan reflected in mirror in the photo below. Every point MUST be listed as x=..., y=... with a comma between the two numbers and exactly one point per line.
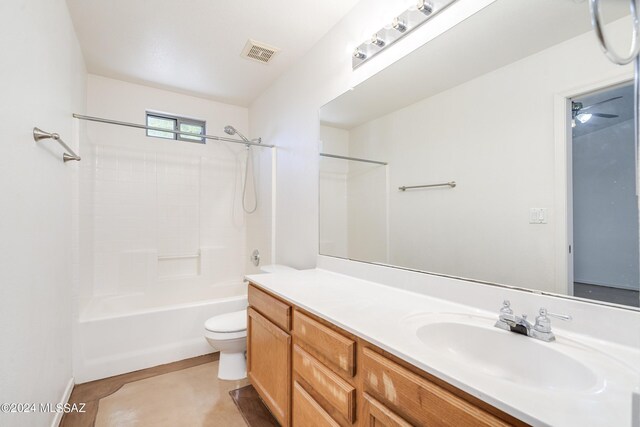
x=581, y=113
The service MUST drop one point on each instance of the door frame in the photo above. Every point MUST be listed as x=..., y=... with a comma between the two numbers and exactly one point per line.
x=564, y=176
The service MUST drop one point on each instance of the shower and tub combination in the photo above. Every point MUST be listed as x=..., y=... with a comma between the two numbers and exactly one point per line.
x=125, y=333
x=152, y=309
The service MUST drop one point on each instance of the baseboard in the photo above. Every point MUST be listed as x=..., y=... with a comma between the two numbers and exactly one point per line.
x=64, y=399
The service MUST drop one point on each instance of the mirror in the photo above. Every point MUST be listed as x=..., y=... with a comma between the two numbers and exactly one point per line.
x=502, y=151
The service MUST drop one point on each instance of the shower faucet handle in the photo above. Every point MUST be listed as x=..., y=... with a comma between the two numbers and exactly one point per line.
x=255, y=257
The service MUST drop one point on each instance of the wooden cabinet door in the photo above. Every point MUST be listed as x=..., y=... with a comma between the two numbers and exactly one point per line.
x=375, y=414
x=269, y=364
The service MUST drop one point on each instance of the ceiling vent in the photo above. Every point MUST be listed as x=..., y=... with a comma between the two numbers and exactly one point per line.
x=260, y=52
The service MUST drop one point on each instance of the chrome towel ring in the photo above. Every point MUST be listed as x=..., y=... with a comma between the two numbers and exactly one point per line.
x=596, y=20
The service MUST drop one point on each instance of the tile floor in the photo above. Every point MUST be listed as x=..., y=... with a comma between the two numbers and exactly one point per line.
x=188, y=397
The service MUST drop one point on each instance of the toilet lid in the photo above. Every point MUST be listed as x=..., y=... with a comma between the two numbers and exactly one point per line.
x=230, y=322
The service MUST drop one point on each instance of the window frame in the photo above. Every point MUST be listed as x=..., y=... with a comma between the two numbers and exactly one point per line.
x=178, y=121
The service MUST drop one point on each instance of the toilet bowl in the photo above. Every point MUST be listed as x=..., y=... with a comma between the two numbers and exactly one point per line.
x=227, y=333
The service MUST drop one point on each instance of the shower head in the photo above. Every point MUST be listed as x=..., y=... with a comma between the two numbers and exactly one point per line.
x=230, y=130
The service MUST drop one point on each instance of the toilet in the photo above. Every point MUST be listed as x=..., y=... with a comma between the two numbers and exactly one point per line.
x=227, y=333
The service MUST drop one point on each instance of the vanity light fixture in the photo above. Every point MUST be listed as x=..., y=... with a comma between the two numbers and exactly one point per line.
x=401, y=25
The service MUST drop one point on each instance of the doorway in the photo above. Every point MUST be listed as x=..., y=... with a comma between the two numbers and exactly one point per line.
x=603, y=202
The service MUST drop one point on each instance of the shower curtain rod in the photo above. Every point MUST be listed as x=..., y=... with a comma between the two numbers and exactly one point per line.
x=355, y=159
x=135, y=125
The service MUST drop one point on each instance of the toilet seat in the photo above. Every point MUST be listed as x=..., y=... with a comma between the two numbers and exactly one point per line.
x=227, y=326
x=224, y=336
x=229, y=322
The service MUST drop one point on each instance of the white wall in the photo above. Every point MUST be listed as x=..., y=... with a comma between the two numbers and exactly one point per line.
x=147, y=200
x=605, y=209
x=287, y=114
x=42, y=82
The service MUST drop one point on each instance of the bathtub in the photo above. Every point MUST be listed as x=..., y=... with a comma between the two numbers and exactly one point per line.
x=119, y=334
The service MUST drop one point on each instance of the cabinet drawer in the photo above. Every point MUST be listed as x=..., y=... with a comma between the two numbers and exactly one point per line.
x=418, y=399
x=336, y=391
x=333, y=348
x=274, y=309
x=307, y=412
x=377, y=415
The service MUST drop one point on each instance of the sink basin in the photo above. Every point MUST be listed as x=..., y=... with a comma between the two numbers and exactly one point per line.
x=473, y=342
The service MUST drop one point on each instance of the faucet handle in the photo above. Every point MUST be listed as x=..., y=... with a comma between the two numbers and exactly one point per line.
x=543, y=311
x=506, y=307
x=543, y=323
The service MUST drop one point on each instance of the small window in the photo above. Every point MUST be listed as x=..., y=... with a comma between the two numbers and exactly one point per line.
x=180, y=124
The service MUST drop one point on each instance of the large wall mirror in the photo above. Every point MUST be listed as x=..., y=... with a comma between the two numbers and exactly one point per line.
x=502, y=151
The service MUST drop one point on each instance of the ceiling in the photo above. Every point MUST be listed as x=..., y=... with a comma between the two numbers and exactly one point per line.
x=194, y=47
x=465, y=52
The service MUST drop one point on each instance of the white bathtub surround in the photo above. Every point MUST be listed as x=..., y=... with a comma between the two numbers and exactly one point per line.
x=121, y=334
x=163, y=238
x=160, y=211
x=384, y=314
x=42, y=81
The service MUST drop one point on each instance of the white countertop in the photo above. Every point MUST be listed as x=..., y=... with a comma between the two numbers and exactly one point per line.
x=381, y=315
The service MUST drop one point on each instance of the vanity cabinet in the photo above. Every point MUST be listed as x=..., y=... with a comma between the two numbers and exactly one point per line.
x=416, y=398
x=269, y=354
x=311, y=373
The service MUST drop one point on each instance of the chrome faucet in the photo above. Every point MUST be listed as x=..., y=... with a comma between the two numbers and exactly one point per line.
x=541, y=330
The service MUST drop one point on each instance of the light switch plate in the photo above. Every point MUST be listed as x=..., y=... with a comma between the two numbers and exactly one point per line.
x=538, y=216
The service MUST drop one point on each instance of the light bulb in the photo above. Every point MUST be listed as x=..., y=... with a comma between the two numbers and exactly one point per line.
x=375, y=40
x=584, y=117
x=359, y=54
x=399, y=25
x=425, y=7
